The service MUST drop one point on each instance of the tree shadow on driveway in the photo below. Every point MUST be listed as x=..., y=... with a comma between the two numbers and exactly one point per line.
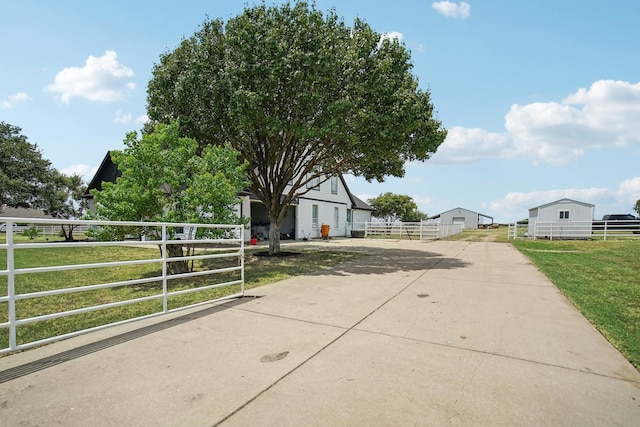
x=387, y=261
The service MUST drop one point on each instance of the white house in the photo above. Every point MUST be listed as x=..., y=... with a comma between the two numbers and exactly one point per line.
x=329, y=202
x=564, y=218
x=470, y=219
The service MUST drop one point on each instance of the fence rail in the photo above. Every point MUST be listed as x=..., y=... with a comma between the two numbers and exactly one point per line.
x=576, y=230
x=218, y=242
x=411, y=230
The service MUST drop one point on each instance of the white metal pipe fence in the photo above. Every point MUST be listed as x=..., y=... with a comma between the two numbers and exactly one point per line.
x=557, y=230
x=219, y=251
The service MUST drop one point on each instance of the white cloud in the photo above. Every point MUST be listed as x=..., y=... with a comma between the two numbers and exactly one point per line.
x=449, y=9
x=140, y=120
x=122, y=118
x=424, y=203
x=470, y=144
x=629, y=190
x=101, y=79
x=366, y=197
x=86, y=172
x=604, y=115
x=393, y=35
x=14, y=99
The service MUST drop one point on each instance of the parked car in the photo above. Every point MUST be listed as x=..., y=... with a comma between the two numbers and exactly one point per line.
x=618, y=222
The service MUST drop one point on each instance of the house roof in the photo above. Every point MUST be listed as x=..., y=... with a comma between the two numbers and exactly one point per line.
x=8, y=212
x=359, y=204
x=108, y=172
x=563, y=201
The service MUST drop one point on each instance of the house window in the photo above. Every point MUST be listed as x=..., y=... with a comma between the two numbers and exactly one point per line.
x=336, y=217
x=564, y=215
x=314, y=216
x=349, y=216
x=314, y=183
x=334, y=185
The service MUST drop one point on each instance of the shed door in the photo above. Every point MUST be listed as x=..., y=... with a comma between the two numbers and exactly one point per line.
x=458, y=220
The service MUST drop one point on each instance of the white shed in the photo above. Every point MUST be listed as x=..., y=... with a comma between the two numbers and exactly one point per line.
x=470, y=219
x=565, y=218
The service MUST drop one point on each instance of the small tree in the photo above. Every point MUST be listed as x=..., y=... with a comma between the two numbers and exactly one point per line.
x=636, y=207
x=165, y=179
x=63, y=199
x=391, y=207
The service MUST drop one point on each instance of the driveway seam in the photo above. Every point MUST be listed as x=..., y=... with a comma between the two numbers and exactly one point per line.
x=330, y=343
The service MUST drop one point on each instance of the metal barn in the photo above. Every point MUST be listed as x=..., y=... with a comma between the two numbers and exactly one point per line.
x=470, y=219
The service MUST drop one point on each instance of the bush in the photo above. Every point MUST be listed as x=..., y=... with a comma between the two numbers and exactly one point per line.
x=31, y=232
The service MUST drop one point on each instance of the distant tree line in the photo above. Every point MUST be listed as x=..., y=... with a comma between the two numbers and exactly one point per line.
x=27, y=180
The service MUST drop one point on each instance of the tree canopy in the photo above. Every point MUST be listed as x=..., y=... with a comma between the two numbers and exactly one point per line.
x=164, y=179
x=636, y=207
x=391, y=207
x=302, y=97
x=24, y=173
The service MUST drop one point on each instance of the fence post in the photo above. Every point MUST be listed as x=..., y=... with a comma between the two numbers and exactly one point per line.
x=242, y=259
x=165, y=305
x=11, y=286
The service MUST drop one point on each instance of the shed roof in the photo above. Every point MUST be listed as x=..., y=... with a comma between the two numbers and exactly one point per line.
x=565, y=200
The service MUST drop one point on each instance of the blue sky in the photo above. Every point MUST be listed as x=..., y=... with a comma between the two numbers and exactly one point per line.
x=541, y=98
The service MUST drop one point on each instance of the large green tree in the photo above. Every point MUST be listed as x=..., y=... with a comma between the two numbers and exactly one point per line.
x=24, y=173
x=301, y=95
x=168, y=178
x=390, y=207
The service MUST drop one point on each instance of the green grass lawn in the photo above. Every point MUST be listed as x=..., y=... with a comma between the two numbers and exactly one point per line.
x=482, y=235
x=602, y=279
x=258, y=271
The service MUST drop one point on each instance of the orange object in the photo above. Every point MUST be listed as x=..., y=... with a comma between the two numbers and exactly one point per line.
x=324, y=231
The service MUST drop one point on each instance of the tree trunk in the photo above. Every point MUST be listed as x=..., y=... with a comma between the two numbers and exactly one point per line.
x=274, y=237
x=68, y=236
x=176, y=267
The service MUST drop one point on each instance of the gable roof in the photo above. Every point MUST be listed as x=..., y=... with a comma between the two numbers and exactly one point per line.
x=359, y=204
x=465, y=209
x=107, y=172
x=589, y=205
x=356, y=203
x=9, y=212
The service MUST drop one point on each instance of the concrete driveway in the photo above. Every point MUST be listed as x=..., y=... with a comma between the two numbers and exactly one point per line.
x=415, y=333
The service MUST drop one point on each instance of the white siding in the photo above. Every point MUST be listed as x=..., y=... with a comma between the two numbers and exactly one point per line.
x=578, y=212
x=456, y=215
x=360, y=215
x=326, y=202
